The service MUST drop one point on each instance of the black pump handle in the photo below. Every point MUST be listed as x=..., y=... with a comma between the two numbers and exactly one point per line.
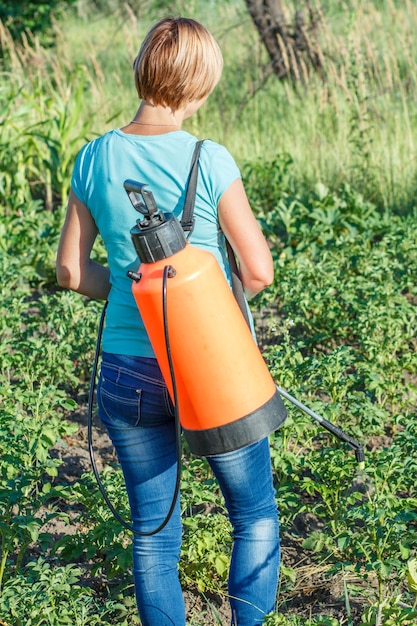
x=133, y=185
x=141, y=198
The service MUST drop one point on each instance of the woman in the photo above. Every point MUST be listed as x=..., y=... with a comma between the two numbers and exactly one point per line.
x=176, y=69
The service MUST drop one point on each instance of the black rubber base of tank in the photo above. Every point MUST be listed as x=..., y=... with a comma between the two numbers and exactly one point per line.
x=239, y=433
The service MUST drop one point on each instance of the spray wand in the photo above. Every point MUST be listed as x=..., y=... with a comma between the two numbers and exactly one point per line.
x=332, y=428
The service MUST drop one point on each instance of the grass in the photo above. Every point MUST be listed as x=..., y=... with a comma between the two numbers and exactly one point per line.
x=358, y=125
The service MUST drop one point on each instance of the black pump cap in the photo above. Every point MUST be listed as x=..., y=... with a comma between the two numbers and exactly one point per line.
x=158, y=239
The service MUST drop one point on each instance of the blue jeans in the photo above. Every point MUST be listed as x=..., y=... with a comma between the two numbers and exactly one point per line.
x=135, y=407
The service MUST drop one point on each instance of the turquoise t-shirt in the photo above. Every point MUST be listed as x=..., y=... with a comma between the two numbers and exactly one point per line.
x=162, y=162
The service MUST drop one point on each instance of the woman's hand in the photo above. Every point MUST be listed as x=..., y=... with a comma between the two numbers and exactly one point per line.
x=75, y=269
x=240, y=227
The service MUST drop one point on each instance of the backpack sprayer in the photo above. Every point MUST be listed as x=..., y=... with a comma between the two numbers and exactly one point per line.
x=226, y=396
x=222, y=391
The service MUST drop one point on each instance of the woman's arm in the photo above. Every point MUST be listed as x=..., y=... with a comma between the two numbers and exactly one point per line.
x=240, y=227
x=75, y=269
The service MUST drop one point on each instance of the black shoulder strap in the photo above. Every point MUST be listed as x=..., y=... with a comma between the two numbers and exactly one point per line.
x=187, y=223
x=187, y=220
x=237, y=286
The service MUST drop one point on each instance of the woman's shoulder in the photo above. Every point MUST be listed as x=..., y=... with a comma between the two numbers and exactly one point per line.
x=216, y=153
x=96, y=147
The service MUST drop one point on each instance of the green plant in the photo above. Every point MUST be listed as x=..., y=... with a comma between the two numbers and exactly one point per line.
x=391, y=612
x=412, y=577
x=370, y=530
x=55, y=596
x=99, y=534
x=27, y=492
x=206, y=548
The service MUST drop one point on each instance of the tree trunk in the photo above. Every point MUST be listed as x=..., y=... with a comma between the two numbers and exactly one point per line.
x=292, y=48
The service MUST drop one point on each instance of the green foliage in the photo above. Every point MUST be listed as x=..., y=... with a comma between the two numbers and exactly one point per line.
x=343, y=341
x=206, y=546
x=370, y=529
x=42, y=129
x=99, y=535
x=55, y=596
x=312, y=222
x=30, y=421
x=26, y=481
x=206, y=550
x=392, y=612
x=34, y=16
x=41, y=340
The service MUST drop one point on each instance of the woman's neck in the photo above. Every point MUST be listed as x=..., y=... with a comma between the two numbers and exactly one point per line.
x=154, y=120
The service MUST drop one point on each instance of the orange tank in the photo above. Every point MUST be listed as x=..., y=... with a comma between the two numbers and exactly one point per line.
x=226, y=395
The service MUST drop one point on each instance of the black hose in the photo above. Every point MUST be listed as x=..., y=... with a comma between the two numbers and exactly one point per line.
x=116, y=514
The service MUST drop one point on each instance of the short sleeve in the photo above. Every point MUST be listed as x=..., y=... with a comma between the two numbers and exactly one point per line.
x=218, y=170
x=81, y=175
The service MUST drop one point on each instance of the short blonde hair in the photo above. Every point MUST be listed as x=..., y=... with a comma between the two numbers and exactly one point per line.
x=178, y=62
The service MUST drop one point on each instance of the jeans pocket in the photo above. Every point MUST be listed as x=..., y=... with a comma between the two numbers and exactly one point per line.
x=119, y=405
